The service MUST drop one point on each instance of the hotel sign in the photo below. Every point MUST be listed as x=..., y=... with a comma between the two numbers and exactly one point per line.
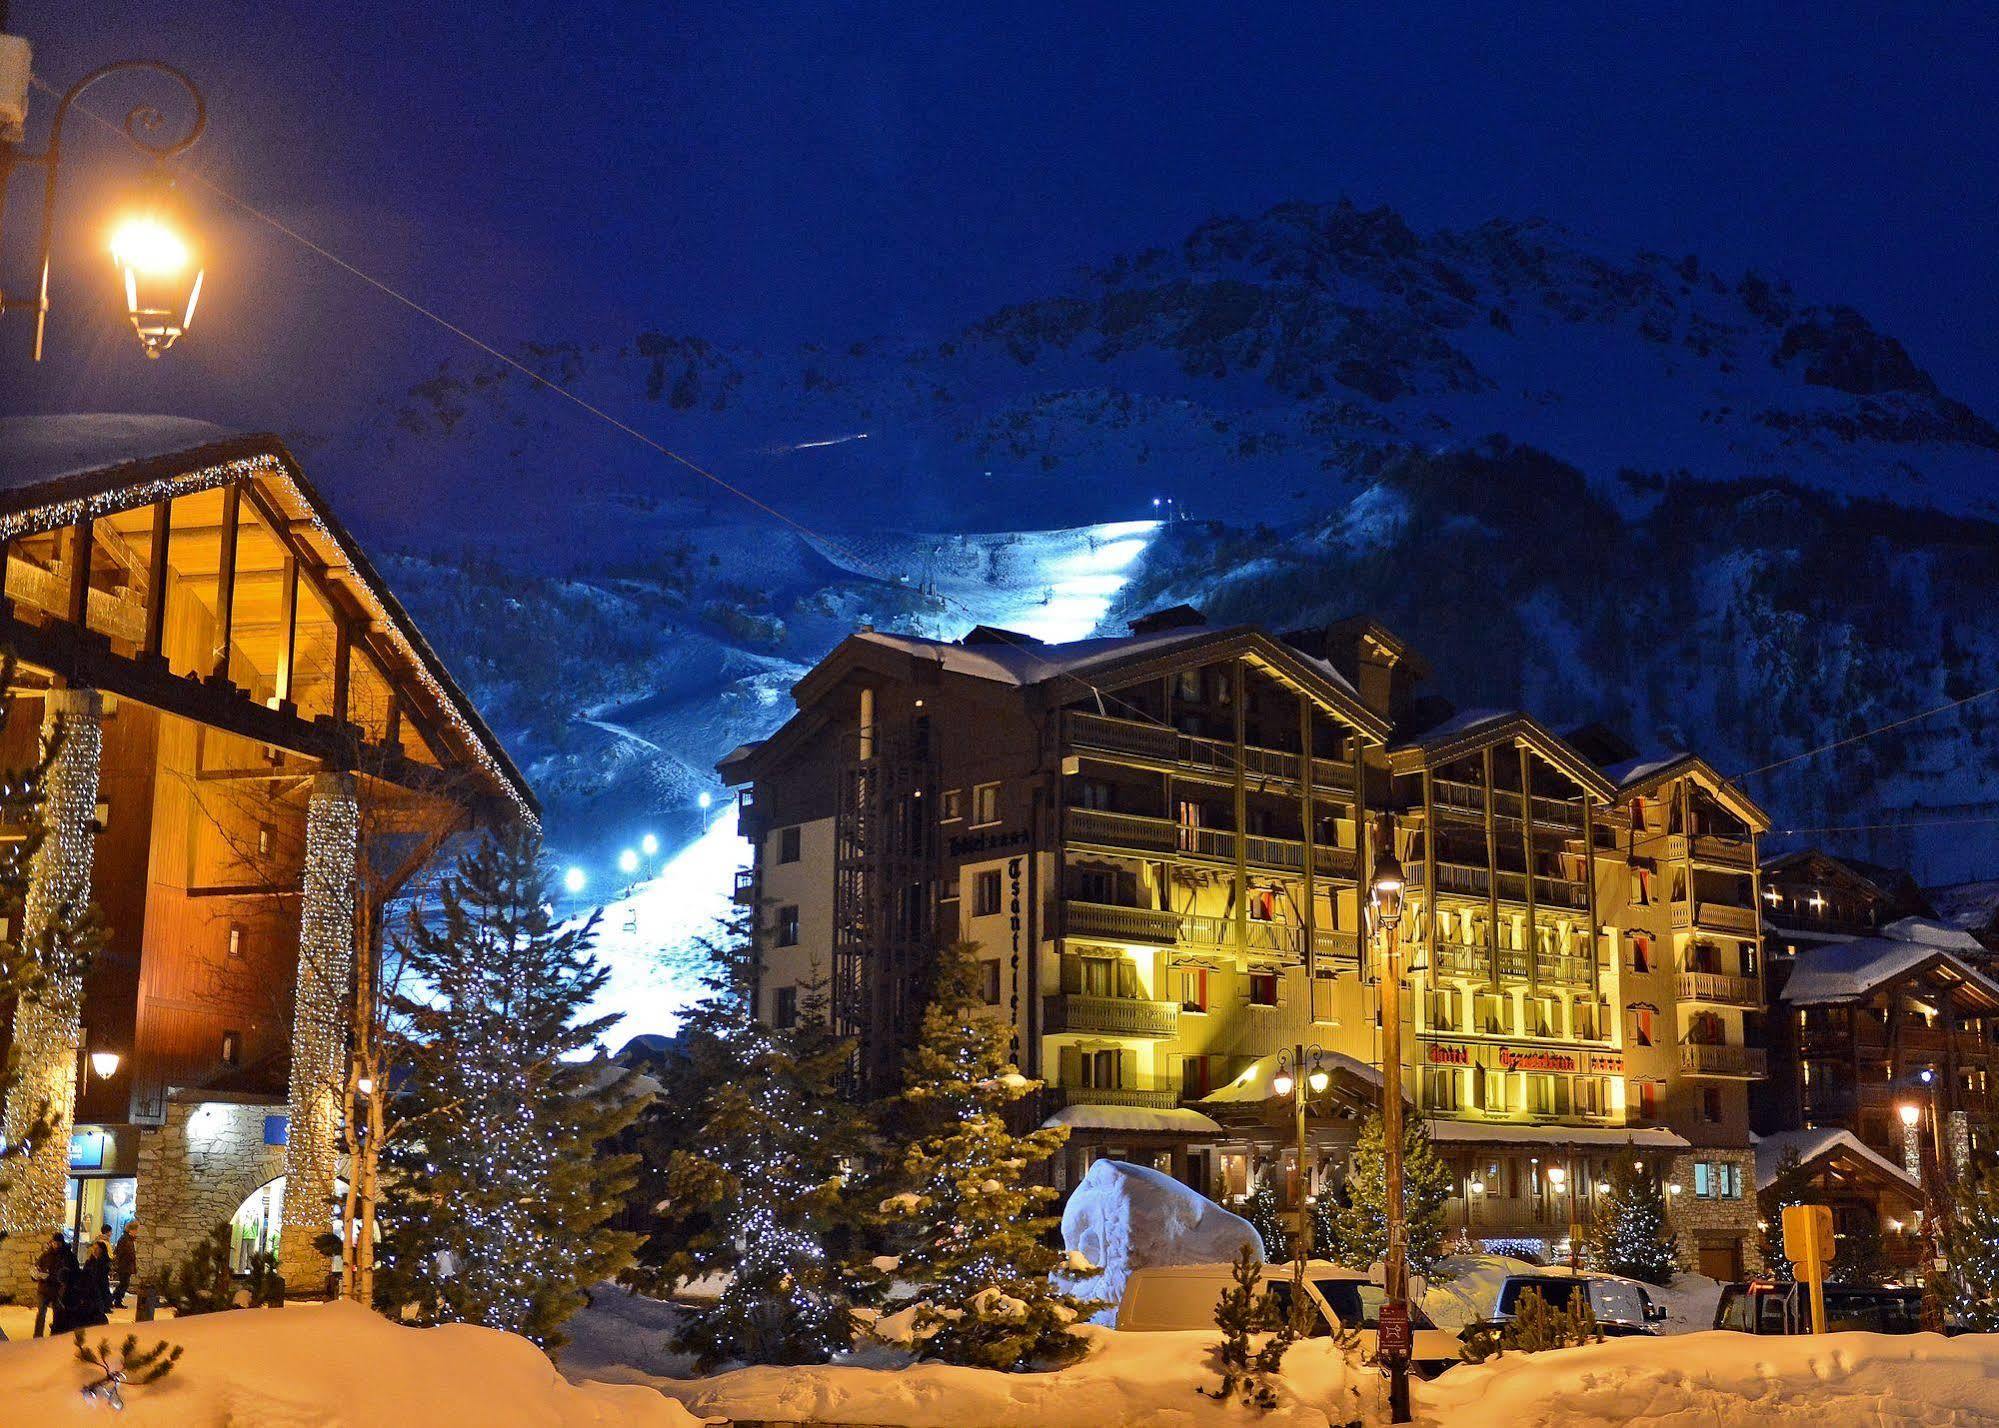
x=1525, y=1058
x=966, y=844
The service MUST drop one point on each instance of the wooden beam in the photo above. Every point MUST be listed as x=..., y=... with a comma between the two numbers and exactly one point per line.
x=225, y=599
x=156, y=585
x=79, y=573
x=342, y=648
x=288, y=630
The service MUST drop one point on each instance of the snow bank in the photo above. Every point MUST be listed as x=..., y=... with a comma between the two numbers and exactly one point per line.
x=1128, y=1379
x=334, y=1364
x=1829, y=1382
x=1124, y=1217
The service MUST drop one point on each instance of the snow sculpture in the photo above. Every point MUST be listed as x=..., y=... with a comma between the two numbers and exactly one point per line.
x=1125, y=1217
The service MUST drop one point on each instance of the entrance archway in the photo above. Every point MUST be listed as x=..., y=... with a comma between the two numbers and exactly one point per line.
x=258, y=1222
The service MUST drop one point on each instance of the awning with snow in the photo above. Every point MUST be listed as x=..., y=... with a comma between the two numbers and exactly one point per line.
x=1151, y=1120
x=1595, y=1137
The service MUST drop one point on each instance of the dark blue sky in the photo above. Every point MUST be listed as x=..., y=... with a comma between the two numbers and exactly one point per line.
x=763, y=173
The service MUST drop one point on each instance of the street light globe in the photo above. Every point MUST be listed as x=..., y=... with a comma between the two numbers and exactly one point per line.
x=649, y=845
x=1477, y=1187
x=574, y=880
x=705, y=799
x=104, y=1063
x=628, y=861
x=1386, y=891
x=1910, y=1114
x=1318, y=1080
x=1557, y=1176
x=158, y=268
x=1282, y=1083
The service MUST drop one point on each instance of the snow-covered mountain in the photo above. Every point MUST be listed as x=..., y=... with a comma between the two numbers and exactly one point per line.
x=1697, y=505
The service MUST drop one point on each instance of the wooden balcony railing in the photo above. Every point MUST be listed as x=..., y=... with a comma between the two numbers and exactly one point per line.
x=1143, y=833
x=1156, y=743
x=1122, y=924
x=1109, y=1016
x=1158, y=1097
x=1733, y=1063
x=1719, y=988
x=1716, y=917
x=1712, y=849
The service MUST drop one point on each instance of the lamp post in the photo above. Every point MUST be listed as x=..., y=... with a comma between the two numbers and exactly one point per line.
x=1287, y=1082
x=1385, y=898
x=1933, y=1206
x=158, y=266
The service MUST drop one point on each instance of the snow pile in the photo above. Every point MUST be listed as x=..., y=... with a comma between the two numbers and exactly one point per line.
x=1714, y=1377
x=334, y=1364
x=1127, y=1379
x=1125, y=1217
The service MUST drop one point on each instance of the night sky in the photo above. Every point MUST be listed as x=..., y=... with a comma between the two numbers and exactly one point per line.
x=764, y=174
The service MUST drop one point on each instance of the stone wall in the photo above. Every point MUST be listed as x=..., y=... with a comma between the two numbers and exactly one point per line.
x=196, y=1170
x=1698, y=1220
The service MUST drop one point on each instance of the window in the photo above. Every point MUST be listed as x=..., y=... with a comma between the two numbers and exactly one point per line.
x=1582, y=1016
x=1197, y=1076
x=787, y=926
x=1187, y=684
x=1095, y=793
x=232, y=1048
x=238, y=942
x=1443, y=1009
x=1491, y=1089
x=1541, y=1020
x=1440, y=1088
x=1548, y=1095
x=1262, y=905
x=989, y=979
x=1641, y=953
x=1641, y=887
x=787, y=844
x=1592, y=1096
x=784, y=1007
x=1648, y=1100
x=1193, y=989
x=1711, y=1105
x=986, y=893
x=985, y=803
x=1104, y=1069
x=1492, y=1014
x=267, y=839
x=1717, y=1180
x=951, y=806
x=1641, y=1027
x=1263, y=989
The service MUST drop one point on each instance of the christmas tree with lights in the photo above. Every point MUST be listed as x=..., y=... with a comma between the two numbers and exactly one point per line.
x=1358, y=1230
x=1971, y=1245
x=762, y=1194
x=965, y=1212
x=1267, y=1217
x=1631, y=1235
x=1791, y=1185
x=499, y=1197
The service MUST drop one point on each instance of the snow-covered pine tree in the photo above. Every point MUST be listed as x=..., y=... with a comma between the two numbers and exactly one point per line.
x=1269, y=1219
x=1860, y=1257
x=762, y=1194
x=1971, y=1287
x=1791, y=1185
x=498, y=1197
x=1359, y=1226
x=975, y=1251
x=1631, y=1235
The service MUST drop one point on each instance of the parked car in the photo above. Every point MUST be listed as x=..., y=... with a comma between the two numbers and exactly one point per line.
x=1183, y=1296
x=1764, y=1306
x=1621, y=1306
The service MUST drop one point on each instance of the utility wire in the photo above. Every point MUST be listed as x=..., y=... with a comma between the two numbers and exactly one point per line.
x=1868, y=733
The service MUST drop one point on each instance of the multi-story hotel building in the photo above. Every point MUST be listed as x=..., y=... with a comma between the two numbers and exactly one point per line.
x=1160, y=843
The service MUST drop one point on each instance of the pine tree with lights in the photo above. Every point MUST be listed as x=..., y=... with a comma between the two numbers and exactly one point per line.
x=1791, y=1185
x=498, y=1196
x=762, y=1194
x=1971, y=1245
x=975, y=1249
x=1268, y=1218
x=1631, y=1235
x=1860, y=1257
x=1359, y=1227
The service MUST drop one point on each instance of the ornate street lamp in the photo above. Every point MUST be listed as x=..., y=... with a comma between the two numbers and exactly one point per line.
x=1385, y=899
x=153, y=247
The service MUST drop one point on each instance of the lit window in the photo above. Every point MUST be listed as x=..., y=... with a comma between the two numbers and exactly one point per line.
x=989, y=979
x=784, y=1007
x=985, y=803
x=787, y=926
x=986, y=893
x=1263, y=989
x=232, y=1048
x=1193, y=989
x=953, y=804
x=787, y=844
x=236, y=942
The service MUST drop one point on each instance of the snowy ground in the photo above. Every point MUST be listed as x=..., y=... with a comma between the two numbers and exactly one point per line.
x=326, y=1366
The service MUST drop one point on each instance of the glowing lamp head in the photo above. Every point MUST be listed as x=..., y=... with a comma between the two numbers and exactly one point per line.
x=1283, y=1081
x=1557, y=1176
x=104, y=1064
x=1385, y=894
x=705, y=800
x=1910, y=1113
x=573, y=880
x=365, y=1085
x=1477, y=1187
x=158, y=268
x=649, y=845
x=628, y=861
x=1318, y=1080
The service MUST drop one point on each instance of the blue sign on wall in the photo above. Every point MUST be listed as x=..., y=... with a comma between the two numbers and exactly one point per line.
x=277, y=1129
x=86, y=1149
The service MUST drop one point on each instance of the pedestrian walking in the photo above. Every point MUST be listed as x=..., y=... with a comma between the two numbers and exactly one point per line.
x=48, y=1281
x=124, y=1263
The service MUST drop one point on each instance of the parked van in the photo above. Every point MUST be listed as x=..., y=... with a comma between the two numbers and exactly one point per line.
x=1763, y=1306
x=1621, y=1306
x=1183, y=1296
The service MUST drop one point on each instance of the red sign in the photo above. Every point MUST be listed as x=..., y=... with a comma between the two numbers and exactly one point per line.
x=1450, y=1055
x=1535, y=1060
x=1394, y=1339
x=1606, y=1061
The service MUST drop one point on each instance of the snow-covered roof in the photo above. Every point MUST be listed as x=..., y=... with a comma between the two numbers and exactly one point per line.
x=35, y=450
x=1811, y=1144
x=1252, y=1084
x=1489, y=1133
x=1638, y=770
x=1841, y=971
x=1177, y=1120
x=1028, y=661
x=1473, y=729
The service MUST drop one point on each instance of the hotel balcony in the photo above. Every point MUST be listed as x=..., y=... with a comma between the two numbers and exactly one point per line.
x=1109, y=1016
x=1715, y=917
x=1735, y=854
x=1723, y=1063
x=1156, y=745
x=1133, y=832
x=1145, y=925
x=1473, y=880
x=1719, y=989
x=746, y=893
x=1456, y=796
x=1159, y=1097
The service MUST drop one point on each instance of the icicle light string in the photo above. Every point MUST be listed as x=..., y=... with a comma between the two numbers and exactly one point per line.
x=859, y=562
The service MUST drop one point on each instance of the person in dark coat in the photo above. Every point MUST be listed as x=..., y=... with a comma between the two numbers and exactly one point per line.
x=68, y=1282
x=125, y=1262
x=49, y=1282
